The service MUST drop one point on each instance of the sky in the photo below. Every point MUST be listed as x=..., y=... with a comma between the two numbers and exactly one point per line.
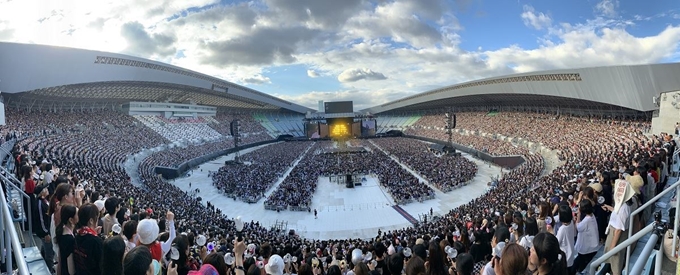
x=367, y=51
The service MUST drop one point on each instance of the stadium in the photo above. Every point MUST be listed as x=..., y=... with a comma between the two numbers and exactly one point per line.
x=460, y=167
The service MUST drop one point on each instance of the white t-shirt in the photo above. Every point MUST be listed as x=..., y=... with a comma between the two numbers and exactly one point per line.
x=619, y=220
x=588, y=237
x=527, y=242
x=565, y=235
x=488, y=270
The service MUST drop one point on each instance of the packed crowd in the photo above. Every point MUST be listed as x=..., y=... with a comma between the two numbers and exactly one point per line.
x=249, y=182
x=424, y=127
x=248, y=123
x=518, y=213
x=179, y=130
x=296, y=190
x=445, y=172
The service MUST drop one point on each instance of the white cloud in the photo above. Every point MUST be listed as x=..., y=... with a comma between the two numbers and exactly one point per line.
x=536, y=20
x=607, y=7
x=312, y=73
x=257, y=79
x=355, y=74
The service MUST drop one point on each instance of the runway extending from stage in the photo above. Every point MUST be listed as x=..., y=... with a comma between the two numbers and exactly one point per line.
x=342, y=212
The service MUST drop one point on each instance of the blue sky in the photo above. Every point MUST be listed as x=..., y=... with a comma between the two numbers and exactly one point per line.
x=369, y=51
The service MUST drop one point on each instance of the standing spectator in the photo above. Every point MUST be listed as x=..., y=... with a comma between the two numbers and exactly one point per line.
x=112, y=206
x=41, y=226
x=618, y=223
x=531, y=229
x=66, y=240
x=88, y=248
x=587, y=238
x=139, y=262
x=566, y=235
x=114, y=249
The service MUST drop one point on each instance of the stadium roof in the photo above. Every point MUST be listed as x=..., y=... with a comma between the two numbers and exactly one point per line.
x=626, y=87
x=39, y=75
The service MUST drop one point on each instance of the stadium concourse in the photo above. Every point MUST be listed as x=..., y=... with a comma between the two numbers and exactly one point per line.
x=342, y=213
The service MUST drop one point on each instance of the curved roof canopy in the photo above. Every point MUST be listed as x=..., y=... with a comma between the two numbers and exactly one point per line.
x=626, y=87
x=37, y=73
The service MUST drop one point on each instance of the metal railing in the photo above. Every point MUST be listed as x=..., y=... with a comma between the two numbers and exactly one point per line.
x=640, y=234
x=675, y=186
x=643, y=232
x=11, y=182
x=10, y=242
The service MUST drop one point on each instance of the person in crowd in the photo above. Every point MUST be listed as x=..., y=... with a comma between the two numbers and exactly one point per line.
x=514, y=262
x=180, y=246
x=436, y=261
x=566, y=235
x=530, y=231
x=114, y=250
x=587, y=237
x=618, y=223
x=111, y=205
x=500, y=239
x=543, y=214
x=41, y=225
x=138, y=261
x=64, y=194
x=65, y=238
x=546, y=257
x=148, y=231
x=213, y=264
x=130, y=234
x=464, y=264
x=88, y=245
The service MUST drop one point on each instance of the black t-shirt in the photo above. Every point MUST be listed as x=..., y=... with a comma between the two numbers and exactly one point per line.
x=66, y=245
x=87, y=254
x=480, y=251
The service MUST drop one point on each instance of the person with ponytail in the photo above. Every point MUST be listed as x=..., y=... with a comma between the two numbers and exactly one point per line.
x=64, y=194
x=88, y=249
x=65, y=239
x=545, y=256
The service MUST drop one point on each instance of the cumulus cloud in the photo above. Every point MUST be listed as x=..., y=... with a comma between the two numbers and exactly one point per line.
x=140, y=42
x=535, y=20
x=355, y=74
x=607, y=7
x=312, y=73
x=263, y=46
x=257, y=79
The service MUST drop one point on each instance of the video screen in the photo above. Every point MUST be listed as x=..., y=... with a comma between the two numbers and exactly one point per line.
x=368, y=128
x=338, y=107
x=323, y=130
x=312, y=129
